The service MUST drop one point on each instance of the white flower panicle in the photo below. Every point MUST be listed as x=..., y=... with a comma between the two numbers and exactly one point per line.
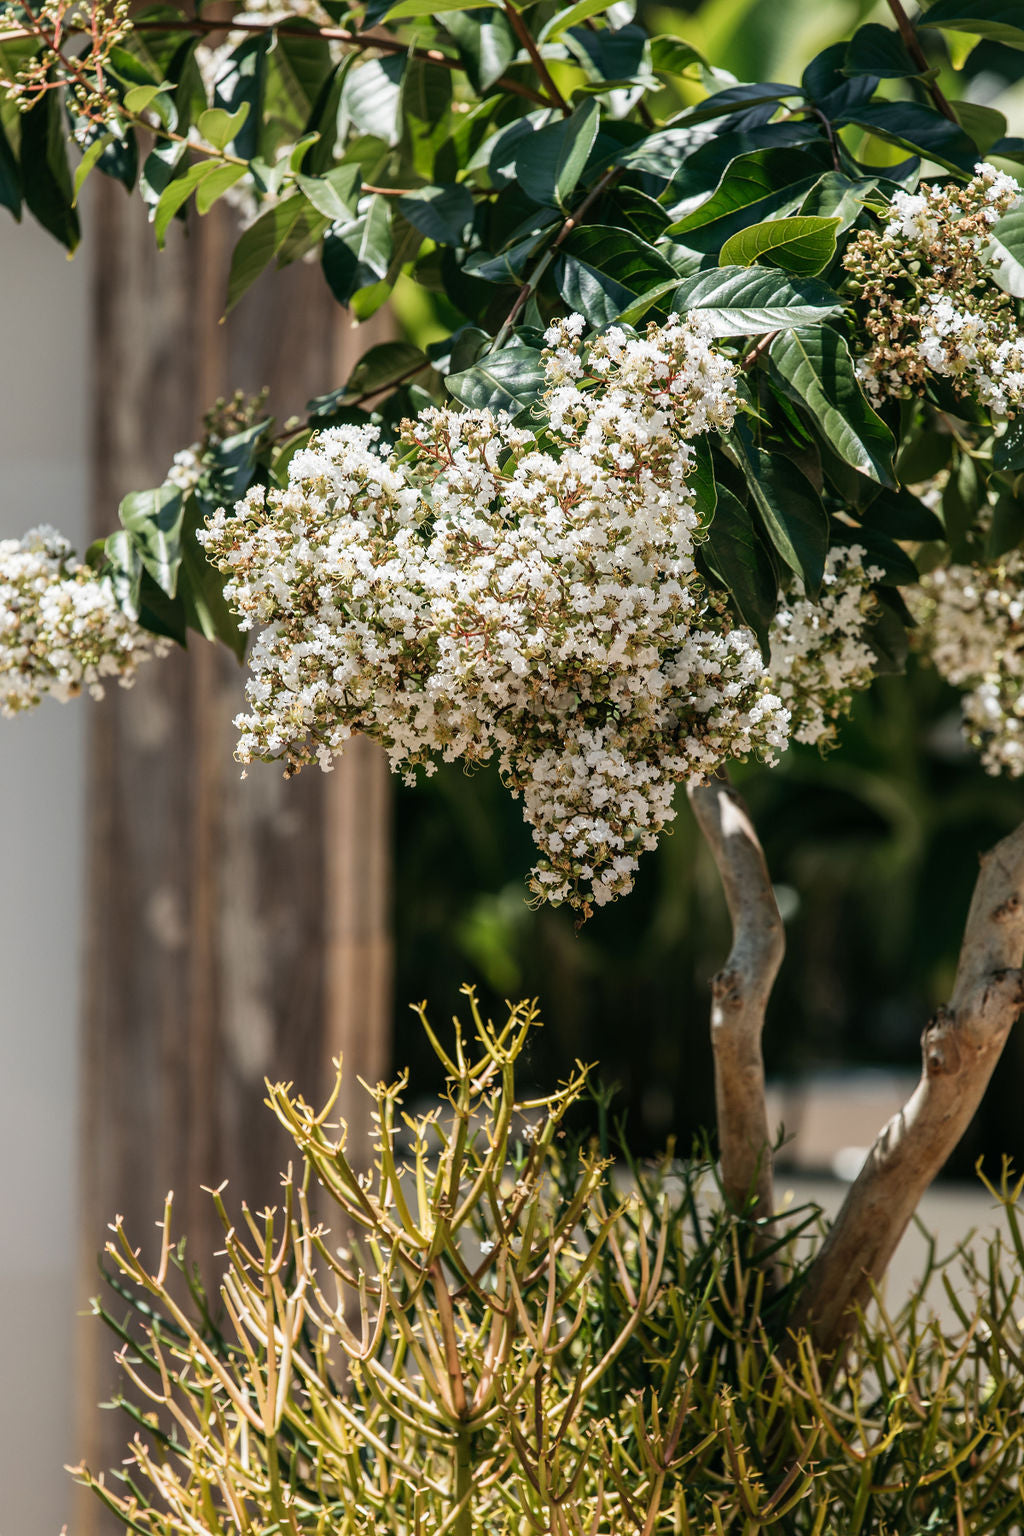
x=487, y=592
x=819, y=658
x=933, y=305
x=971, y=626
x=61, y=629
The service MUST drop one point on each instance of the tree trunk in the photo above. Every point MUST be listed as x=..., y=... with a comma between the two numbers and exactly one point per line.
x=235, y=929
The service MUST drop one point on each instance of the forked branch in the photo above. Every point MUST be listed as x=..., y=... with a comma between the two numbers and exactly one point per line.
x=739, y=995
x=960, y=1047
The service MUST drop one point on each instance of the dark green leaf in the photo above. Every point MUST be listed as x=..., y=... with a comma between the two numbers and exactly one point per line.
x=733, y=551
x=202, y=589
x=1008, y=450
x=324, y=120
x=614, y=58
x=748, y=301
x=260, y=243
x=701, y=480
x=840, y=197
x=752, y=187
x=371, y=96
x=879, y=51
x=916, y=127
x=985, y=125
x=333, y=194
x=298, y=67
x=902, y=516
x=791, y=512
x=425, y=108
x=1000, y=20
x=1006, y=530
x=125, y=570
x=46, y=176
x=1008, y=247
x=241, y=81
x=816, y=368
x=886, y=632
x=604, y=270
x=231, y=466
x=383, y=366
x=505, y=380
x=671, y=56
x=153, y=520
x=803, y=244
x=486, y=44
x=441, y=212
x=880, y=550
x=549, y=161
x=830, y=88
x=356, y=255
x=10, y=179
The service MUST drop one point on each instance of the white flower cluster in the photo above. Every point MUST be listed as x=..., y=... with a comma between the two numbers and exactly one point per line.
x=490, y=592
x=60, y=627
x=971, y=626
x=934, y=306
x=186, y=469
x=818, y=655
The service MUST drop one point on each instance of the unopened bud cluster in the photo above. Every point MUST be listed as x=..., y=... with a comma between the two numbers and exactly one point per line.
x=61, y=629
x=492, y=592
x=971, y=626
x=931, y=303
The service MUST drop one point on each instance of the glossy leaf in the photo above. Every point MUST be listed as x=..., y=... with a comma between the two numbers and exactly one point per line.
x=748, y=301
x=501, y=381
x=734, y=552
x=241, y=81
x=879, y=51
x=219, y=128
x=1000, y=20
x=604, y=270
x=153, y=519
x=371, y=95
x=804, y=245
x=383, y=366
x=356, y=255
x=1008, y=246
x=202, y=589
x=902, y=516
x=549, y=161
x=752, y=187
x=792, y=514
x=917, y=128
x=440, y=213
x=816, y=368
x=335, y=193
x=486, y=43
x=260, y=243
x=45, y=174
x=1008, y=450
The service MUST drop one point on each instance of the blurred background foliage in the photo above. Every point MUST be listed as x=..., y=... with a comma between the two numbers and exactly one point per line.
x=873, y=849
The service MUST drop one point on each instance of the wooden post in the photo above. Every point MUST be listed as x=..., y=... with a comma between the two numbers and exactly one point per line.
x=236, y=930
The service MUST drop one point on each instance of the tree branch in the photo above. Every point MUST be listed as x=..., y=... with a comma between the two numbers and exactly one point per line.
x=739, y=995
x=912, y=44
x=960, y=1047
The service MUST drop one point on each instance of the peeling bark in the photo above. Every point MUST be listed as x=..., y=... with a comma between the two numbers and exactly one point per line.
x=739, y=996
x=960, y=1047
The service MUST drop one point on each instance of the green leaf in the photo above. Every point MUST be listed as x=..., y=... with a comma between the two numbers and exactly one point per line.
x=356, y=256
x=1008, y=450
x=604, y=270
x=383, y=366
x=371, y=96
x=219, y=128
x=880, y=550
x=748, y=301
x=425, y=110
x=571, y=16
x=902, y=516
x=176, y=194
x=1006, y=530
x=733, y=551
x=549, y=161
x=816, y=368
x=406, y=9
x=614, y=59
x=10, y=179
x=917, y=128
x=792, y=513
x=45, y=174
x=86, y=164
x=242, y=80
x=335, y=193
x=202, y=589
x=153, y=520
x=752, y=186
x=486, y=43
x=441, y=212
x=220, y=179
x=999, y=20
x=141, y=97
x=804, y=245
x=124, y=570
x=701, y=480
x=505, y=380
x=260, y=243
x=324, y=119
x=880, y=52
x=839, y=197
x=985, y=125
x=1008, y=246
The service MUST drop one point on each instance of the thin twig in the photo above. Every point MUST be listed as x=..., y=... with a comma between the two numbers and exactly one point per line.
x=571, y=223
x=758, y=350
x=913, y=47
x=525, y=36
x=363, y=41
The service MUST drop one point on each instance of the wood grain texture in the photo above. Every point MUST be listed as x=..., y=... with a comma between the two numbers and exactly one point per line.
x=235, y=929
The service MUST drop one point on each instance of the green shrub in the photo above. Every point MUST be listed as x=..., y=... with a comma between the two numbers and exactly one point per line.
x=494, y=1331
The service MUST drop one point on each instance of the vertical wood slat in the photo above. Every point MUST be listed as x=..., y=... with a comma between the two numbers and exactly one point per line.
x=234, y=930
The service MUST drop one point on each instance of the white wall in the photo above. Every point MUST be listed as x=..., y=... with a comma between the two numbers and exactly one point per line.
x=44, y=390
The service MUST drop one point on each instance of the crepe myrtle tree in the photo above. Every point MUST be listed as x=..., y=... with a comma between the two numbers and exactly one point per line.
x=729, y=408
